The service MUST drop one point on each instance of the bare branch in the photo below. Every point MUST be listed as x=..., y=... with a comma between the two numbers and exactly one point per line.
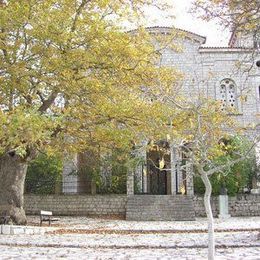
x=231, y=163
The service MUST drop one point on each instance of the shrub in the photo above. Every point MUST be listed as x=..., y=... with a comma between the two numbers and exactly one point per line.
x=237, y=177
x=44, y=175
x=114, y=181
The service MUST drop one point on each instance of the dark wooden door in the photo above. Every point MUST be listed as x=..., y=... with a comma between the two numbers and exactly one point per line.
x=157, y=177
x=158, y=183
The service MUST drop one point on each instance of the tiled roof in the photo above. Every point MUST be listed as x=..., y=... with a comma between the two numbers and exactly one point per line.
x=170, y=28
x=202, y=38
x=224, y=49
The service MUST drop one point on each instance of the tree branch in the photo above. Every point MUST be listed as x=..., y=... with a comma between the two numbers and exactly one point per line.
x=78, y=12
x=48, y=102
x=230, y=163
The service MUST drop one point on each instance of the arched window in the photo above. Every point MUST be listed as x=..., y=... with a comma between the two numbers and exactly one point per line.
x=228, y=93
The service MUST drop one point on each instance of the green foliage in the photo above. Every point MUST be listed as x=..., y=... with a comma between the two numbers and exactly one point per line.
x=44, y=175
x=116, y=164
x=118, y=178
x=71, y=76
x=243, y=16
x=237, y=177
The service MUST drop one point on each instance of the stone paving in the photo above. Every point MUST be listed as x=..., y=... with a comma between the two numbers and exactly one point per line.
x=88, y=238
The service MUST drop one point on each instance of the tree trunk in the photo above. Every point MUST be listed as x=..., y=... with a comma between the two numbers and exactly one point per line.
x=211, y=237
x=12, y=176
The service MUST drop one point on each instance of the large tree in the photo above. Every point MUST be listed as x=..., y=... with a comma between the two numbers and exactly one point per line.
x=71, y=78
x=238, y=15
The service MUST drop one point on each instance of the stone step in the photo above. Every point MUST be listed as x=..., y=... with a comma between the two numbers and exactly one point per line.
x=160, y=207
x=28, y=230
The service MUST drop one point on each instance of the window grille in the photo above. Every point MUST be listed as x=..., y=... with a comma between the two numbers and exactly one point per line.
x=228, y=93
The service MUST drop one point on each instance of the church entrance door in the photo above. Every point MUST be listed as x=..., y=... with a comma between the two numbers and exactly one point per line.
x=157, y=178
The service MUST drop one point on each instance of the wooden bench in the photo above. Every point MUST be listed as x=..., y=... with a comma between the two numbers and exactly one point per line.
x=47, y=216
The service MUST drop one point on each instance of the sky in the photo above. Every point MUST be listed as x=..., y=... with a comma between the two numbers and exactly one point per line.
x=216, y=35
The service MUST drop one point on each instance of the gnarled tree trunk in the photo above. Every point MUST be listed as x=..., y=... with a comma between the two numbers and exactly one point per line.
x=12, y=176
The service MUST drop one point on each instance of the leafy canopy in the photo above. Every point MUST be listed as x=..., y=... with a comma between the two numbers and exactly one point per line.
x=204, y=126
x=235, y=177
x=70, y=77
x=239, y=15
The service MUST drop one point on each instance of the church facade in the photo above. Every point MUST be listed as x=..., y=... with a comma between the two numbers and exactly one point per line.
x=229, y=74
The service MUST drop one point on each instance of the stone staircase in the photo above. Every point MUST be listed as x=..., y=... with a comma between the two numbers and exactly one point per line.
x=160, y=207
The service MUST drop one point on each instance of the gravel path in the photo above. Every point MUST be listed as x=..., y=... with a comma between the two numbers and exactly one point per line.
x=88, y=238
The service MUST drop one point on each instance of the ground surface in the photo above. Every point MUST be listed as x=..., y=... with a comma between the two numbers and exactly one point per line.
x=88, y=238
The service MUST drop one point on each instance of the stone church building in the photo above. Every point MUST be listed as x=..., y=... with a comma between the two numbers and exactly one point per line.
x=229, y=74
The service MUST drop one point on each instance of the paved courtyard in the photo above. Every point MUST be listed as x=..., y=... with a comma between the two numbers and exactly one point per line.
x=89, y=238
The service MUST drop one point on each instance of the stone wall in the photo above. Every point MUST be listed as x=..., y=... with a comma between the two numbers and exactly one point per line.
x=83, y=205
x=240, y=205
x=80, y=205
